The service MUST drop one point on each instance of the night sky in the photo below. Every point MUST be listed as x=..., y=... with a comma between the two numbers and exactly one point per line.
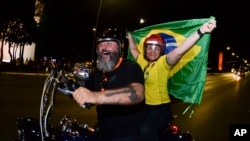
x=71, y=21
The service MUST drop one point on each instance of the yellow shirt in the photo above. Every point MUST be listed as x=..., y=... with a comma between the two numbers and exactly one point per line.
x=155, y=77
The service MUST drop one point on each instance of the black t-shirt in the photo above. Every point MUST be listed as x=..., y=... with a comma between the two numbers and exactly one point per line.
x=118, y=120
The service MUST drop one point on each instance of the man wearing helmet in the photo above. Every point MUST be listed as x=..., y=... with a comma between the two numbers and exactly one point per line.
x=117, y=88
x=156, y=66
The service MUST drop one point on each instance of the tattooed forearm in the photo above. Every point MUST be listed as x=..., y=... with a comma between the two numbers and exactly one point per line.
x=133, y=95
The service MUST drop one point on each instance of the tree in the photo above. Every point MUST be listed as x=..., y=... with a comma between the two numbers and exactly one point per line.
x=18, y=34
x=2, y=36
x=17, y=26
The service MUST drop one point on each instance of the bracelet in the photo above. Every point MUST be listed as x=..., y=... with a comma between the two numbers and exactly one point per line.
x=199, y=33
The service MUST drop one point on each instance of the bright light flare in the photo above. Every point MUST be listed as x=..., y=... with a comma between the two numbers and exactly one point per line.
x=236, y=77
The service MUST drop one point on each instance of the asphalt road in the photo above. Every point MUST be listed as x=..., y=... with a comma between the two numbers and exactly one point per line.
x=225, y=102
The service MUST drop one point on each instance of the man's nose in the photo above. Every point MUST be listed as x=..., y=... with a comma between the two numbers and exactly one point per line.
x=104, y=47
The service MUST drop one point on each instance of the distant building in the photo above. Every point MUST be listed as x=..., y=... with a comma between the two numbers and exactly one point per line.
x=29, y=52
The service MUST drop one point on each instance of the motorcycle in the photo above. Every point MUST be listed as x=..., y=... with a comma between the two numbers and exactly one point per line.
x=69, y=129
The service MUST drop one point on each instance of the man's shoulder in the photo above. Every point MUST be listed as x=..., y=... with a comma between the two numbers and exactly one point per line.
x=129, y=62
x=130, y=65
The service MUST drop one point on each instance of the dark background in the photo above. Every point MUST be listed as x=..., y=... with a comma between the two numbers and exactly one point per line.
x=70, y=22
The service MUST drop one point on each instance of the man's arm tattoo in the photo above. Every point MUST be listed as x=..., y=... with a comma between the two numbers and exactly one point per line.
x=133, y=96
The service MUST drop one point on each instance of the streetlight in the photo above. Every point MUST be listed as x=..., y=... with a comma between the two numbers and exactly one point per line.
x=142, y=21
x=95, y=30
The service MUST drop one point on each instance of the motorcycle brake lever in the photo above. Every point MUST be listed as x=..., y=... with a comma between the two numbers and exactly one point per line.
x=65, y=91
x=68, y=86
x=68, y=92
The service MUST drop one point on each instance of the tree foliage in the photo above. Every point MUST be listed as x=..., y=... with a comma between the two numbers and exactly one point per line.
x=18, y=29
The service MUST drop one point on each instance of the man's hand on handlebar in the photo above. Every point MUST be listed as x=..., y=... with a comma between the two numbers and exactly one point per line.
x=84, y=96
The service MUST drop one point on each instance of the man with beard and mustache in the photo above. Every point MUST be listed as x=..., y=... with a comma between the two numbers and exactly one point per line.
x=116, y=87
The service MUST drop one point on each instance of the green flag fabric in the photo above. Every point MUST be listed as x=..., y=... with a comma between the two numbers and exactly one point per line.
x=187, y=79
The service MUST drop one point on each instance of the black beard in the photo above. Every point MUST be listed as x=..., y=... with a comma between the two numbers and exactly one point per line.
x=109, y=65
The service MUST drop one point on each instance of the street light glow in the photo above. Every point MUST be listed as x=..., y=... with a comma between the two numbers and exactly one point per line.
x=142, y=21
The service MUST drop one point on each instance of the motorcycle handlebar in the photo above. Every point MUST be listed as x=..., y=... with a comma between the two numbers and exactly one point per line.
x=69, y=93
x=68, y=85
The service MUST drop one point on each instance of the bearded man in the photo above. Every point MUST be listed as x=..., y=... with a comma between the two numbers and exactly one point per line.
x=116, y=87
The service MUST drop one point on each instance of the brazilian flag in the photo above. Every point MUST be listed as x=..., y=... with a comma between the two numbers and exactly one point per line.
x=187, y=79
